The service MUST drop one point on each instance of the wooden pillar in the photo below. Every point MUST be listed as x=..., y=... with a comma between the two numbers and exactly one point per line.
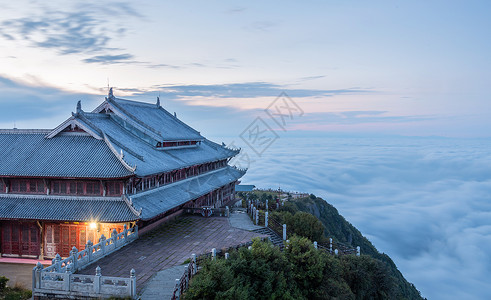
x=104, y=189
x=41, y=240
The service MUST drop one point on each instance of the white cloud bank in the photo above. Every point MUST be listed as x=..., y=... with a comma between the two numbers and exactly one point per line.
x=425, y=202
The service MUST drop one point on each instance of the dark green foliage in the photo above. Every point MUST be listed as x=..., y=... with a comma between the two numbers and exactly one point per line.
x=15, y=293
x=300, y=272
x=262, y=273
x=336, y=227
x=299, y=216
x=368, y=278
x=3, y=284
x=301, y=223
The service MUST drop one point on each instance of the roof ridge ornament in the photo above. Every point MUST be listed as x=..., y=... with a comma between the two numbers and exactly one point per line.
x=79, y=107
x=111, y=95
x=158, y=101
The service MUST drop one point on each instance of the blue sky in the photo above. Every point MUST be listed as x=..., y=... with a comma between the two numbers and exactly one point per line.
x=417, y=68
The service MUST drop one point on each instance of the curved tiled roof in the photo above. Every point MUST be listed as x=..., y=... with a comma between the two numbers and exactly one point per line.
x=156, y=119
x=158, y=200
x=65, y=208
x=147, y=158
x=65, y=155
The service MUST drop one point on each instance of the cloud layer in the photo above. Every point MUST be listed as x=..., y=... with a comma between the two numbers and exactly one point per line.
x=34, y=106
x=75, y=29
x=425, y=202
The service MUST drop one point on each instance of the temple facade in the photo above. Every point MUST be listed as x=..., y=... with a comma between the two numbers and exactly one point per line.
x=125, y=162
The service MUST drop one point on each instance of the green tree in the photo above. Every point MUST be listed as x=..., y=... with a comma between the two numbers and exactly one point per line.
x=306, y=225
x=308, y=265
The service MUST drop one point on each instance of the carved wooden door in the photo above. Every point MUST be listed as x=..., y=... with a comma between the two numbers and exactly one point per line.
x=20, y=239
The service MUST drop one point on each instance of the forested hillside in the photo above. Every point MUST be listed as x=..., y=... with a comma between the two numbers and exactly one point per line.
x=300, y=271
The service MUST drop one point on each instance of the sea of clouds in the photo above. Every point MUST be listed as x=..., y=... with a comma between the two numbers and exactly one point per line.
x=424, y=201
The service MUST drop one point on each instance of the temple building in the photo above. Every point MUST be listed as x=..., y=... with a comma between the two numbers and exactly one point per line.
x=125, y=162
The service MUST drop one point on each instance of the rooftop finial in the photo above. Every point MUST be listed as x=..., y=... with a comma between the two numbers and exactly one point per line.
x=158, y=101
x=175, y=115
x=111, y=93
x=79, y=106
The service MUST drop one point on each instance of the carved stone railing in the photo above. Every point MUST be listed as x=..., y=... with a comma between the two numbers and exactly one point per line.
x=67, y=285
x=58, y=279
x=80, y=259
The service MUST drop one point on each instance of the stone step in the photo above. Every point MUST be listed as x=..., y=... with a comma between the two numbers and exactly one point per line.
x=273, y=237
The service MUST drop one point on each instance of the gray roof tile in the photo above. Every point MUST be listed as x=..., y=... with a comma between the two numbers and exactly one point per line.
x=161, y=199
x=158, y=119
x=150, y=160
x=65, y=208
x=75, y=156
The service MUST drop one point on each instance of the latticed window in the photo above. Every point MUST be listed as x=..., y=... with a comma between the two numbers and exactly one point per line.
x=25, y=186
x=93, y=188
x=36, y=186
x=22, y=186
x=113, y=188
x=59, y=187
x=76, y=188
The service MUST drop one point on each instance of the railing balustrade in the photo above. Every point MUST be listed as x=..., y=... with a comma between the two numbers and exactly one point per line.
x=58, y=279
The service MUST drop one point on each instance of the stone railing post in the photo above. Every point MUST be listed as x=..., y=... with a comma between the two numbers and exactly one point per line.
x=336, y=252
x=178, y=285
x=358, y=251
x=284, y=232
x=74, y=255
x=132, y=284
x=227, y=211
x=330, y=245
x=266, y=219
x=125, y=232
x=257, y=216
x=193, y=261
x=226, y=255
x=66, y=277
x=57, y=262
x=315, y=245
x=102, y=240
x=213, y=253
x=186, y=276
x=97, y=280
x=36, y=276
x=89, y=249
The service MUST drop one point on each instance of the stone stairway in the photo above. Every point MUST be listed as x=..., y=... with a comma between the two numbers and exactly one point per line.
x=273, y=237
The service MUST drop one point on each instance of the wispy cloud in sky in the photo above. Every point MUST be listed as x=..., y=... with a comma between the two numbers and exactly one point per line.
x=110, y=59
x=77, y=29
x=250, y=90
